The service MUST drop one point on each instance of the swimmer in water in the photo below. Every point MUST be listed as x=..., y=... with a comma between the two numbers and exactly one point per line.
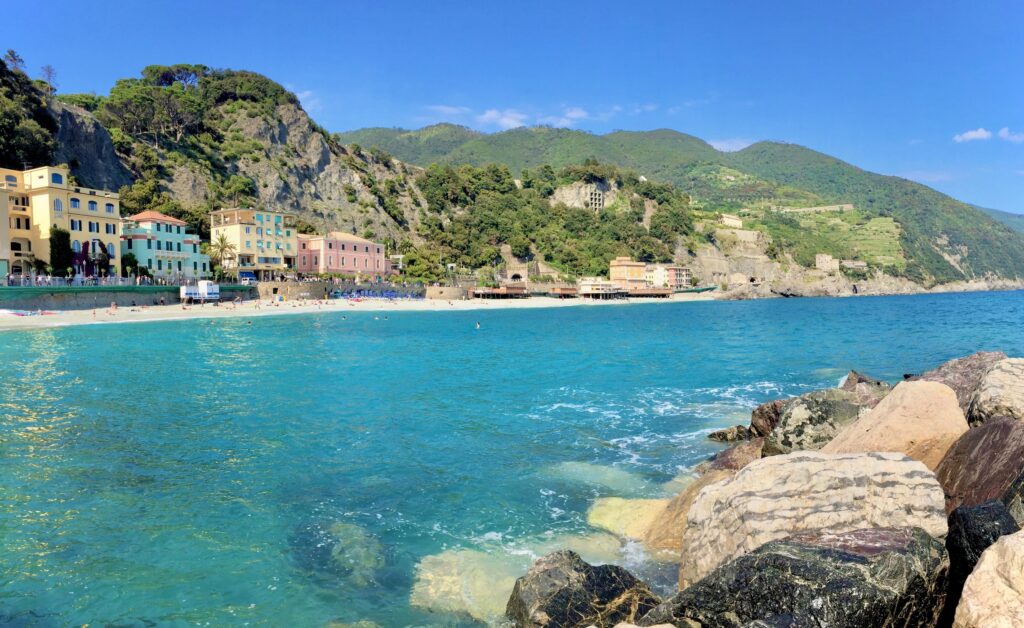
x=478, y=324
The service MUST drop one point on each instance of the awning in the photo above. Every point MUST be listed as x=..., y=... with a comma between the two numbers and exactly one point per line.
x=246, y=274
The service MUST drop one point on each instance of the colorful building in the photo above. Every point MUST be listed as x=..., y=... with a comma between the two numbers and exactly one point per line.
x=341, y=253
x=164, y=245
x=667, y=276
x=265, y=243
x=627, y=274
x=5, y=232
x=41, y=199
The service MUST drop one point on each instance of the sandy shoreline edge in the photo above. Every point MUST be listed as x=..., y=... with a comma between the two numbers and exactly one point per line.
x=252, y=309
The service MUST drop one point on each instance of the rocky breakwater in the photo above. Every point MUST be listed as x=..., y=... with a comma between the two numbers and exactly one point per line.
x=865, y=505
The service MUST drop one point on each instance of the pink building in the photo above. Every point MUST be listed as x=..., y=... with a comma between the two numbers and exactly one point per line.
x=341, y=253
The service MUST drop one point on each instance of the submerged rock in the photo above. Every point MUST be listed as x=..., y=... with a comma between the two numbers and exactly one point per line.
x=993, y=596
x=920, y=419
x=561, y=590
x=775, y=497
x=810, y=421
x=339, y=552
x=963, y=375
x=983, y=463
x=616, y=480
x=857, y=579
x=630, y=518
x=477, y=583
x=1000, y=393
x=972, y=529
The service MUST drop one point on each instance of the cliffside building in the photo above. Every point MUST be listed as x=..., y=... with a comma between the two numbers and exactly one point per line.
x=266, y=243
x=41, y=199
x=825, y=262
x=164, y=245
x=341, y=253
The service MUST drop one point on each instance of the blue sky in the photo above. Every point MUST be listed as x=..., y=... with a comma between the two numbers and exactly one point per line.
x=930, y=91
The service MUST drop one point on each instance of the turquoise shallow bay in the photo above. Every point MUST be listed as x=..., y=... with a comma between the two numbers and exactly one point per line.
x=188, y=473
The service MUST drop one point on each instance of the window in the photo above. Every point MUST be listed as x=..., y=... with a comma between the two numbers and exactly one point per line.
x=76, y=246
x=195, y=266
x=109, y=207
x=111, y=229
x=288, y=232
x=75, y=203
x=149, y=245
x=248, y=230
x=57, y=178
x=330, y=245
x=149, y=263
x=11, y=180
x=330, y=260
x=277, y=219
x=157, y=226
x=58, y=206
x=343, y=261
x=248, y=244
x=378, y=250
x=303, y=246
x=204, y=267
x=259, y=231
x=159, y=264
x=179, y=266
x=159, y=245
x=129, y=243
x=92, y=206
x=315, y=261
x=303, y=260
x=195, y=248
x=342, y=247
x=287, y=246
x=366, y=249
x=76, y=225
x=110, y=250
x=179, y=229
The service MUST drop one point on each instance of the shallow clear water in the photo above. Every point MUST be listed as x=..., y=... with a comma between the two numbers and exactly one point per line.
x=188, y=473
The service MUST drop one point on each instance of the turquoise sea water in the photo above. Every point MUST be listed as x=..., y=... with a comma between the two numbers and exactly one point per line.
x=296, y=470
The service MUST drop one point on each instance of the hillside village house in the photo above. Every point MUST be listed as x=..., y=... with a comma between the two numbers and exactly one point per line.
x=40, y=199
x=164, y=245
x=341, y=253
x=265, y=241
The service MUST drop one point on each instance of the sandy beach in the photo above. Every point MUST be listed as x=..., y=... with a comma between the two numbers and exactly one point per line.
x=10, y=321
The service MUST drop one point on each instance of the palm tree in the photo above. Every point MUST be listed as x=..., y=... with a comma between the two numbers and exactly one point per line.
x=221, y=250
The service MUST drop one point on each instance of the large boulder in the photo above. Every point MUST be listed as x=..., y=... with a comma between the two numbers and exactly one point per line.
x=983, y=463
x=664, y=537
x=807, y=491
x=993, y=596
x=868, y=577
x=919, y=419
x=735, y=457
x=561, y=589
x=730, y=434
x=972, y=529
x=766, y=416
x=809, y=421
x=964, y=375
x=869, y=391
x=1001, y=392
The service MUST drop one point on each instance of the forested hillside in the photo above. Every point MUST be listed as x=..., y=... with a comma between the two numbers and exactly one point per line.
x=942, y=239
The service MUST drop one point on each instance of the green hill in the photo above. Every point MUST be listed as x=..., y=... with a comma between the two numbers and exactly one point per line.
x=1011, y=220
x=943, y=239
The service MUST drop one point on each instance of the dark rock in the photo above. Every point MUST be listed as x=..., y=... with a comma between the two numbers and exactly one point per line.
x=964, y=375
x=972, y=529
x=562, y=590
x=983, y=463
x=1013, y=498
x=731, y=434
x=872, y=577
x=735, y=457
x=810, y=421
x=766, y=416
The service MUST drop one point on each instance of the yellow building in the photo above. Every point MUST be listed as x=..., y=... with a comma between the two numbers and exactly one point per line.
x=42, y=199
x=5, y=235
x=265, y=242
x=627, y=274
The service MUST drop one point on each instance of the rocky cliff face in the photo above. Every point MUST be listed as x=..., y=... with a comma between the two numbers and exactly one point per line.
x=86, y=147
